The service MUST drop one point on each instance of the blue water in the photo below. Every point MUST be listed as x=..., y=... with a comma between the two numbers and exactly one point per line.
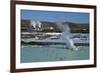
x=47, y=53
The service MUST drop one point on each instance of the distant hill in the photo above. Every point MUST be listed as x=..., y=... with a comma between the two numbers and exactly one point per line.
x=76, y=27
x=52, y=26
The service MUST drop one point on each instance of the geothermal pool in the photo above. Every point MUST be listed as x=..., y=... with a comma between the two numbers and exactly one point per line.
x=49, y=53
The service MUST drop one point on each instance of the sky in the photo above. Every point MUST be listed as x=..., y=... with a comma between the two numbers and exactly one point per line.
x=53, y=16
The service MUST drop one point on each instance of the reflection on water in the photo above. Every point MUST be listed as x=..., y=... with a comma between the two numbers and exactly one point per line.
x=51, y=53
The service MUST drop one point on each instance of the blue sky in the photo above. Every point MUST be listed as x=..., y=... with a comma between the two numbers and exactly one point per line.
x=53, y=16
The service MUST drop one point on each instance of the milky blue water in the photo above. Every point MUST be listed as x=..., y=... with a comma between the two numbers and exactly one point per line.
x=46, y=53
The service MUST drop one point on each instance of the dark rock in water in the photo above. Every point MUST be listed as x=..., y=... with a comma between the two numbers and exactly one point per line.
x=50, y=43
